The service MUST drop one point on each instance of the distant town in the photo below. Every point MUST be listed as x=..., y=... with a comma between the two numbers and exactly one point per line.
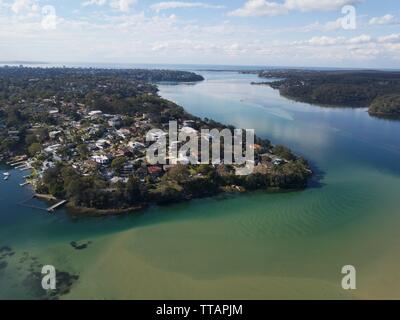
x=82, y=135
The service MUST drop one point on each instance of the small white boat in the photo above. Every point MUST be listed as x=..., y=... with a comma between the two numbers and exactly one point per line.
x=7, y=174
x=6, y=177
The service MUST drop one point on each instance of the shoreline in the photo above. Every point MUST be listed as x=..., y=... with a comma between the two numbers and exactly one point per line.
x=78, y=211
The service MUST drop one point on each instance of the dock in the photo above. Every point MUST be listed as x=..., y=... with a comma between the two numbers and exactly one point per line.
x=57, y=205
x=17, y=163
x=16, y=160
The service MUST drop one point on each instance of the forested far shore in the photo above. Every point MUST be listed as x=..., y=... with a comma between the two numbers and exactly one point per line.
x=377, y=90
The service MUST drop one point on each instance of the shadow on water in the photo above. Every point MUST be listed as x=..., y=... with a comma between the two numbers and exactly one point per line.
x=318, y=176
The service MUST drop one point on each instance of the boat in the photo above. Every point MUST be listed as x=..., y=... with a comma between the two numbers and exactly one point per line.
x=6, y=175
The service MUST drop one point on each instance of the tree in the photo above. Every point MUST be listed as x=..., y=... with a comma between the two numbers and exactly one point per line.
x=133, y=190
x=178, y=173
x=30, y=139
x=118, y=164
x=34, y=148
x=283, y=152
x=83, y=151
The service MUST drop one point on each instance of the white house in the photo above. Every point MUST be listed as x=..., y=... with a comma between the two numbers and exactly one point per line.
x=54, y=134
x=156, y=135
x=95, y=113
x=53, y=148
x=101, y=159
x=102, y=143
x=114, y=122
x=188, y=130
x=136, y=145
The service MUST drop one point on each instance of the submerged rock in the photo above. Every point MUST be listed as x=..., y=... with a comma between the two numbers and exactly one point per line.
x=5, y=249
x=80, y=246
x=64, y=284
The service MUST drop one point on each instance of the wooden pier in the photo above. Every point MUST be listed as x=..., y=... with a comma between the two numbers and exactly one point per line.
x=16, y=160
x=17, y=163
x=57, y=205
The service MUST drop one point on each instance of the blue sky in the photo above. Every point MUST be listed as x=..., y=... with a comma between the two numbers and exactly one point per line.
x=236, y=32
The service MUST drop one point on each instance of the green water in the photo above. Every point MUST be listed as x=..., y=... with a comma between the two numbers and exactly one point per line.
x=259, y=245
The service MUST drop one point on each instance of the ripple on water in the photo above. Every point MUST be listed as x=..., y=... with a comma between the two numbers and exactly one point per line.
x=304, y=213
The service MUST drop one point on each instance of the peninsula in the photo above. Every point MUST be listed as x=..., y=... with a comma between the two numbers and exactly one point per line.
x=83, y=134
x=377, y=90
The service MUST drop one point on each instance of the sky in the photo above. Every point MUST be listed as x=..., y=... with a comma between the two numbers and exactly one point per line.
x=303, y=33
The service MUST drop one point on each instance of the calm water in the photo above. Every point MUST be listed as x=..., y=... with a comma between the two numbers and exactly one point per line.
x=259, y=245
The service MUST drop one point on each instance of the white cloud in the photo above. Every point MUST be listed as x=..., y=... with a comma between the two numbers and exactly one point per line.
x=318, y=26
x=384, y=20
x=325, y=41
x=94, y=2
x=364, y=38
x=259, y=8
x=393, y=38
x=19, y=6
x=317, y=5
x=167, y=39
x=269, y=8
x=182, y=4
x=122, y=5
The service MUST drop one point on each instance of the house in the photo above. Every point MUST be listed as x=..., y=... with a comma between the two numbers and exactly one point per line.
x=123, y=133
x=128, y=169
x=154, y=171
x=114, y=122
x=101, y=159
x=95, y=113
x=156, y=135
x=54, y=134
x=278, y=162
x=102, y=143
x=188, y=123
x=134, y=145
x=53, y=148
x=115, y=180
x=188, y=130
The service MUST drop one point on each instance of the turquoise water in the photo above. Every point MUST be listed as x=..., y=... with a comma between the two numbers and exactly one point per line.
x=260, y=245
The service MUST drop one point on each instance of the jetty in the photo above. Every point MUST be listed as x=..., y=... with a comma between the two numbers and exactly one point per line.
x=57, y=205
x=17, y=163
x=46, y=197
